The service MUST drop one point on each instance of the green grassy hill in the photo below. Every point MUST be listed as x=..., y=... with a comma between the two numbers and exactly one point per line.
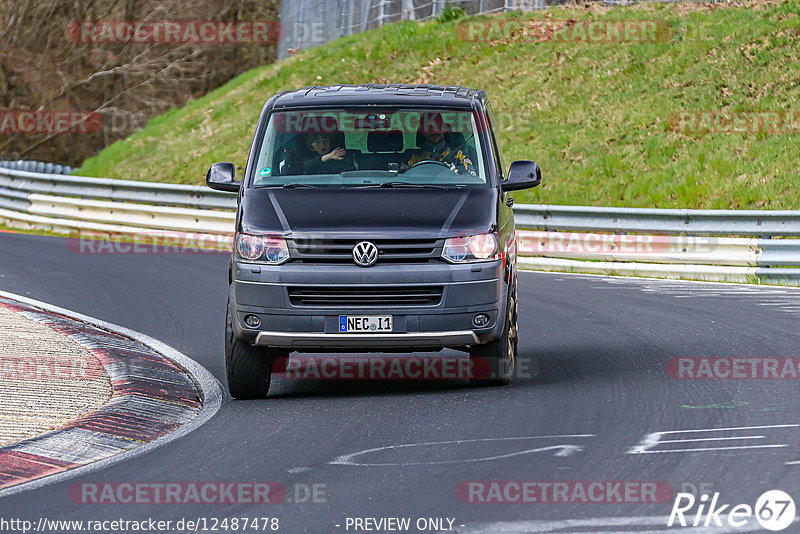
x=599, y=117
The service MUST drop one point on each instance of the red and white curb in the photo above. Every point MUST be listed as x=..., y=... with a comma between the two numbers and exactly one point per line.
x=158, y=395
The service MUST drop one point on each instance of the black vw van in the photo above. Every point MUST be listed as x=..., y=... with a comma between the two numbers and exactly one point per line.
x=372, y=218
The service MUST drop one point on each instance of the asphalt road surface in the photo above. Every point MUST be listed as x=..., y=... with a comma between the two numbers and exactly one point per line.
x=602, y=406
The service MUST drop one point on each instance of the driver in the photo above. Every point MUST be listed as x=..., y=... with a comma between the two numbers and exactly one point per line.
x=433, y=146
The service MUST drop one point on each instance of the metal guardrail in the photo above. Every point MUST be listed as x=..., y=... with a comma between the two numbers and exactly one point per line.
x=667, y=221
x=699, y=258
x=36, y=166
x=697, y=244
x=189, y=196
x=701, y=246
x=106, y=206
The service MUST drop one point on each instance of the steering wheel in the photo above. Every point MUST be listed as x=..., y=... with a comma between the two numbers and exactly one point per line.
x=426, y=161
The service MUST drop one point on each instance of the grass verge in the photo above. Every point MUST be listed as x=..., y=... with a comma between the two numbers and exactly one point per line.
x=598, y=116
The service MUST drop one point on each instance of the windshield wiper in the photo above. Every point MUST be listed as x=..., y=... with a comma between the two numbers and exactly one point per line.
x=286, y=186
x=293, y=186
x=386, y=185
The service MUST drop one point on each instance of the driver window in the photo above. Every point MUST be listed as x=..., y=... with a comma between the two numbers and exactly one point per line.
x=497, y=153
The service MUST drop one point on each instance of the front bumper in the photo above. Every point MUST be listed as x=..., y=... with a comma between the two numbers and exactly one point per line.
x=467, y=290
x=336, y=341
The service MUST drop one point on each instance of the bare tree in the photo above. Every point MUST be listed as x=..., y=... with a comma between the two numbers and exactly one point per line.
x=45, y=65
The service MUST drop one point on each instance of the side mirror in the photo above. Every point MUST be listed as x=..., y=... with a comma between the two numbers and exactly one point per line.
x=522, y=174
x=222, y=177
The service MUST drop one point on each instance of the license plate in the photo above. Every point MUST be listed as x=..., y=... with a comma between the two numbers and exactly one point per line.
x=349, y=324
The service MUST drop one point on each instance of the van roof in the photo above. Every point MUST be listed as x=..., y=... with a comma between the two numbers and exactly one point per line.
x=381, y=94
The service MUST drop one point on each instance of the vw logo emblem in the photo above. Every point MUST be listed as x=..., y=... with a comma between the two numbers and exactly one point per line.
x=365, y=254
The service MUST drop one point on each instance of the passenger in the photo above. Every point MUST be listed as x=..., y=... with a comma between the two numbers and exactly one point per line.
x=325, y=159
x=433, y=143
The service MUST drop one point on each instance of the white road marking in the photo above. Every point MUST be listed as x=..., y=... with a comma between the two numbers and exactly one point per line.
x=787, y=299
x=209, y=387
x=706, y=449
x=299, y=469
x=653, y=439
x=689, y=431
x=709, y=439
x=714, y=290
x=617, y=525
x=561, y=451
x=662, y=281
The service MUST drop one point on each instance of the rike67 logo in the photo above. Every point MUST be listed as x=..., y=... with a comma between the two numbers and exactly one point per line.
x=774, y=510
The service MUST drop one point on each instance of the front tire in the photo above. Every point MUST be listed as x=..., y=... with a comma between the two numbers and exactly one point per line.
x=247, y=368
x=501, y=354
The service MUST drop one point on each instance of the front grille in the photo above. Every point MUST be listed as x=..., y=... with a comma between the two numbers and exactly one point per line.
x=364, y=296
x=341, y=250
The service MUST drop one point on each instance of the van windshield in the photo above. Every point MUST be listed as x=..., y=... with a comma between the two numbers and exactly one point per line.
x=370, y=148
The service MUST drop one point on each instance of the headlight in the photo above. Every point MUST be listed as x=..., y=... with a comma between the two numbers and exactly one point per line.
x=261, y=248
x=482, y=247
